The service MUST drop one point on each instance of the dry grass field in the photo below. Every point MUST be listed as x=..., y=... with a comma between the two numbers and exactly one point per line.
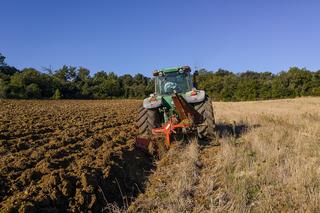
x=274, y=164
x=79, y=156
x=268, y=161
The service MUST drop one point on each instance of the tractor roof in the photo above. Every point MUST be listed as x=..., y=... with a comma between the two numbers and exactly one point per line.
x=174, y=69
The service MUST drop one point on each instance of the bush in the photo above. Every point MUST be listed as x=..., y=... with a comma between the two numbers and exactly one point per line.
x=33, y=91
x=57, y=95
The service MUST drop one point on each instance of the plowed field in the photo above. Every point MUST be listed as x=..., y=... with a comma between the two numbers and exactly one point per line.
x=69, y=155
x=78, y=156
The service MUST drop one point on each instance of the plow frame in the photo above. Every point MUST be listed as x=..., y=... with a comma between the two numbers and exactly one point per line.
x=187, y=120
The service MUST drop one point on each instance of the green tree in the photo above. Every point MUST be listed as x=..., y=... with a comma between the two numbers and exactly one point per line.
x=4, y=89
x=64, y=80
x=229, y=87
x=126, y=82
x=33, y=91
x=315, y=84
x=106, y=85
x=20, y=81
x=299, y=81
x=2, y=58
x=57, y=95
x=66, y=73
x=83, y=83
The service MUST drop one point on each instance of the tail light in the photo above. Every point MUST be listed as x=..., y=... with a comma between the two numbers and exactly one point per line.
x=152, y=98
x=193, y=92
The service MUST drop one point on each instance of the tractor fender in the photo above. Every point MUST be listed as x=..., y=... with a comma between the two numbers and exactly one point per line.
x=199, y=97
x=151, y=104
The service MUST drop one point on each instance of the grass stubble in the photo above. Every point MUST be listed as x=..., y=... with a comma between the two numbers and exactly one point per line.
x=272, y=166
x=171, y=187
x=268, y=161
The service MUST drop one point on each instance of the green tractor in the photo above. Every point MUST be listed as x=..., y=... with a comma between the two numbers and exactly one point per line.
x=175, y=108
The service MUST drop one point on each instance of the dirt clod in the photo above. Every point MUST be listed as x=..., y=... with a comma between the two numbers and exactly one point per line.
x=58, y=156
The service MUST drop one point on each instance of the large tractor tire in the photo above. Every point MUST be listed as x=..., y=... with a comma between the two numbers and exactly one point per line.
x=206, y=130
x=147, y=120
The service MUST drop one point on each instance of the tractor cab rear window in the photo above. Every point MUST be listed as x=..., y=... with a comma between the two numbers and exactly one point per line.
x=170, y=82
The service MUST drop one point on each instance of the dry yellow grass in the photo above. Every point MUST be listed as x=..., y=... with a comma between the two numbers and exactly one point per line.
x=171, y=187
x=272, y=166
x=275, y=163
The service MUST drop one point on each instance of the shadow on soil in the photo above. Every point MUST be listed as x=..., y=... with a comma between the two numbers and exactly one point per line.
x=127, y=178
x=129, y=174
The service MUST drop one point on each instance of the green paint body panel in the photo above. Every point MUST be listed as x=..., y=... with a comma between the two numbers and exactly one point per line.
x=167, y=101
x=170, y=108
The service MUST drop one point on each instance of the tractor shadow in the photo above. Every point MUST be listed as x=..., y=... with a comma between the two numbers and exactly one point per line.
x=234, y=130
x=227, y=130
x=128, y=177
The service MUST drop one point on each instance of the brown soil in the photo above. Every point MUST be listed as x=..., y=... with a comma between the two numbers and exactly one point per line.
x=69, y=155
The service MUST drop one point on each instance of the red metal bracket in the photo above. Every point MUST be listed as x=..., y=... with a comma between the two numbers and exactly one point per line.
x=168, y=128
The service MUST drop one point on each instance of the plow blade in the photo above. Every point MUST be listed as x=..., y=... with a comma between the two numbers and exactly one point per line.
x=154, y=146
x=143, y=143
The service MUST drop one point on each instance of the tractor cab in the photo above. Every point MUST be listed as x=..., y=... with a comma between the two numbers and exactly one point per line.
x=172, y=80
x=175, y=107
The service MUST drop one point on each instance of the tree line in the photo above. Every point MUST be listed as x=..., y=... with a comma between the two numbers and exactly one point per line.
x=71, y=82
x=228, y=86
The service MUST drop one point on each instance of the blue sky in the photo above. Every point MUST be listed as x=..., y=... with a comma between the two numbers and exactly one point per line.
x=142, y=35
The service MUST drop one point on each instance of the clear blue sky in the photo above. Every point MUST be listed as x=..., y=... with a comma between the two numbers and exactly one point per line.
x=141, y=35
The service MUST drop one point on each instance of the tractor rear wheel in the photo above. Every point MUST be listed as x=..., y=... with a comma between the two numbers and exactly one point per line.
x=147, y=120
x=206, y=130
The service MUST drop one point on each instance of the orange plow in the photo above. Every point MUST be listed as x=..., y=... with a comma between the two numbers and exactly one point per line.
x=185, y=122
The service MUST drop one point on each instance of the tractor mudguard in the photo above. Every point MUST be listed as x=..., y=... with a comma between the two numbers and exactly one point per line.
x=199, y=97
x=151, y=104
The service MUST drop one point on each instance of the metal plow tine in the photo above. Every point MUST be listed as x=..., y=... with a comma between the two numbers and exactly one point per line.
x=142, y=143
